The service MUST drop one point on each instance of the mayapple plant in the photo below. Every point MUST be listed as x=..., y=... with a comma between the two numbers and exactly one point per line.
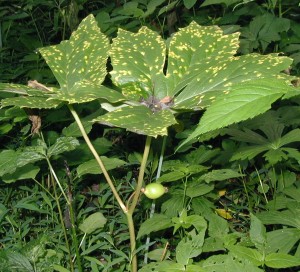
x=154, y=81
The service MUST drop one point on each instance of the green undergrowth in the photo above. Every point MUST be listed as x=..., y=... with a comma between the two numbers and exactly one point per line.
x=201, y=98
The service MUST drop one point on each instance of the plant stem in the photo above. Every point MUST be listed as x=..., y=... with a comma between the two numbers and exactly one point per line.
x=57, y=180
x=71, y=211
x=133, y=204
x=132, y=242
x=161, y=158
x=246, y=191
x=279, y=9
x=137, y=192
x=97, y=157
x=141, y=175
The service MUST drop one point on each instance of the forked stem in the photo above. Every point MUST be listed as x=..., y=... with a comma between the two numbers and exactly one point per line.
x=98, y=159
x=133, y=204
x=129, y=209
x=139, y=185
x=161, y=158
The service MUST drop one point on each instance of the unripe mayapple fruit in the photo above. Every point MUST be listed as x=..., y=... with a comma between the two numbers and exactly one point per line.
x=154, y=190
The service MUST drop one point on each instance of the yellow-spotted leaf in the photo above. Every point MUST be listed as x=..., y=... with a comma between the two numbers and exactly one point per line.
x=198, y=70
x=79, y=64
x=197, y=45
x=84, y=91
x=139, y=119
x=29, y=97
x=30, y=102
x=218, y=77
x=15, y=88
x=138, y=60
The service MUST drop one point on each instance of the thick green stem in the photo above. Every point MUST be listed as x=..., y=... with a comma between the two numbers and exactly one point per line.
x=161, y=159
x=279, y=9
x=132, y=242
x=141, y=175
x=97, y=157
x=128, y=211
x=133, y=204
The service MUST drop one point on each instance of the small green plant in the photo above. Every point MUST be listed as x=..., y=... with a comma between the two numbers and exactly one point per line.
x=274, y=143
x=152, y=82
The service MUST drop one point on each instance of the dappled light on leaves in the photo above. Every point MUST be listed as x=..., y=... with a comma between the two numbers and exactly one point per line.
x=196, y=69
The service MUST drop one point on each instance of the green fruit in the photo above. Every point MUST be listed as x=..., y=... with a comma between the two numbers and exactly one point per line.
x=154, y=190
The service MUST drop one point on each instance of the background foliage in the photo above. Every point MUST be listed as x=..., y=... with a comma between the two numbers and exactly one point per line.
x=233, y=197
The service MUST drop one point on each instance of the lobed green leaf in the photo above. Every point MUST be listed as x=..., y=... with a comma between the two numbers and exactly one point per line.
x=138, y=60
x=79, y=64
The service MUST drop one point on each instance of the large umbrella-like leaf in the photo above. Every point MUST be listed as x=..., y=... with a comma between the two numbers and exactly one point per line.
x=138, y=60
x=197, y=69
x=78, y=64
